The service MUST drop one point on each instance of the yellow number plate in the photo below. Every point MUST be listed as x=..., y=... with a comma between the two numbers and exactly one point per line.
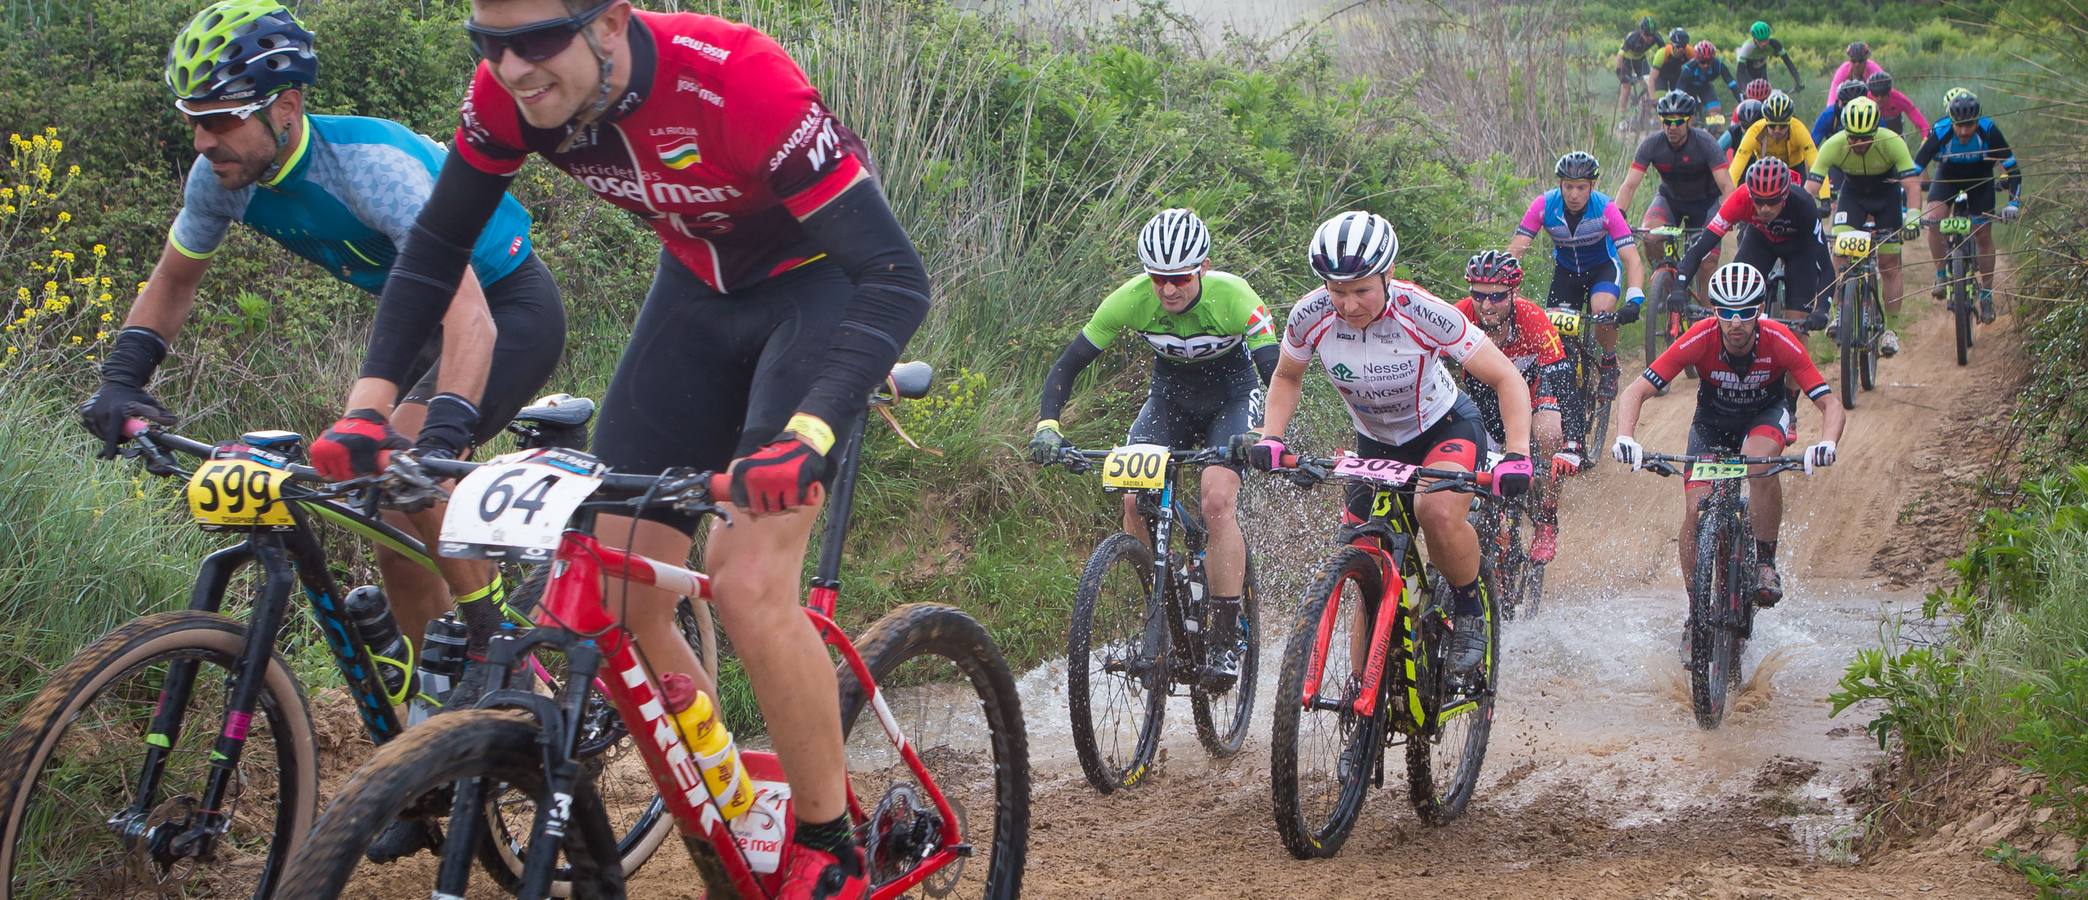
x=238, y=494
x=1955, y=225
x=1136, y=467
x=1714, y=119
x=1568, y=323
x=1716, y=471
x=1852, y=244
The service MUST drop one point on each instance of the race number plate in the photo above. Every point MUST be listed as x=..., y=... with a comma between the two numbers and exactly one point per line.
x=1955, y=225
x=1852, y=244
x=1713, y=471
x=238, y=495
x=1566, y=321
x=515, y=506
x=1135, y=467
x=1385, y=471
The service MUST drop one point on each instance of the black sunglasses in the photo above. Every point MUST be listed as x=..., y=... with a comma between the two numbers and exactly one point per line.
x=537, y=41
x=1491, y=296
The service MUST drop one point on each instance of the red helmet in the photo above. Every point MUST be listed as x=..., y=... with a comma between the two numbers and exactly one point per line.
x=1705, y=51
x=1494, y=267
x=1757, y=89
x=1767, y=178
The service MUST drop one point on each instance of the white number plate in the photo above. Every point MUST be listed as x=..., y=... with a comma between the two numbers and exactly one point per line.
x=517, y=505
x=1387, y=471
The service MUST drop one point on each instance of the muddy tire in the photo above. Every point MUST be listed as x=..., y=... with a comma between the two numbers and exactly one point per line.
x=1117, y=665
x=81, y=742
x=1222, y=717
x=1321, y=754
x=1443, y=766
x=1710, y=650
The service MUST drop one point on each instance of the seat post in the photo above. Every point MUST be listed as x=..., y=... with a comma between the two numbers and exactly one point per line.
x=835, y=536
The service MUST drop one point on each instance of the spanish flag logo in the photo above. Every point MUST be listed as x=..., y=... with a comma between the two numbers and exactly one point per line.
x=680, y=153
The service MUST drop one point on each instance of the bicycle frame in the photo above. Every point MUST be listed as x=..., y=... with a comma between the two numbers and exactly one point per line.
x=1387, y=538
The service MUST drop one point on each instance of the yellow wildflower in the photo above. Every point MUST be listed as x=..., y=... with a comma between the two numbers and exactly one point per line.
x=64, y=217
x=101, y=250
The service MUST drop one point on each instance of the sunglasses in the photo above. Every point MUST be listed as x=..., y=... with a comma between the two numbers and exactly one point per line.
x=1491, y=296
x=537, y=41
x=1775, y=203
x=1176, y=280
x=1739, y=315
x=222, y=121
x=1674, y=120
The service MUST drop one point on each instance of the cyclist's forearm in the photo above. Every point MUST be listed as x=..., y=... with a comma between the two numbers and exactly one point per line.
x=1285, y=386
x=164, y=304
x=373, y=393
x=1911, y=189
x=1791, y=67
x=1832, y=417
x=1628, y=403
x=1058, y=383
x=1634, y=267
x=1265, y=359
x=862, y=236
x=468, y=335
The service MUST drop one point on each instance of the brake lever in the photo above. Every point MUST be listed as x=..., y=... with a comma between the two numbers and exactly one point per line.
x=408, y=487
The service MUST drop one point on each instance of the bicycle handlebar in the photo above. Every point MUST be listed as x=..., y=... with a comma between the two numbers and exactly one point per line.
x=1665, y=465
x=1307, y=471
x=1078, y=460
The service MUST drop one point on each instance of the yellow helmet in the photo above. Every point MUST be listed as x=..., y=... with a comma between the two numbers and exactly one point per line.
x=1860, y=117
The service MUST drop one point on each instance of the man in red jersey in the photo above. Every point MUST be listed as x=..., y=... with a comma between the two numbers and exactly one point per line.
x=784, y=291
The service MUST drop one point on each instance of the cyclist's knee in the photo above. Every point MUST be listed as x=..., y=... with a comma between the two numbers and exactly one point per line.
x=1442, y=513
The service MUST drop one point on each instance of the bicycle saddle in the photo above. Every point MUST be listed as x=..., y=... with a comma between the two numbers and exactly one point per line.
x=912, y=379
x=560, y=410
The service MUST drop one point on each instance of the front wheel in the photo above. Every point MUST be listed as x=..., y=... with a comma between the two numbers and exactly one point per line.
x=1874, y=318
x=1224, y=710
x=75, y=826
x=1321, y=753
x=1660, y=290
x=1117, y=665
x=942, y=682
x=1850, y=340
x=1961, y=306
x=1443, y=765
x=1710, y=652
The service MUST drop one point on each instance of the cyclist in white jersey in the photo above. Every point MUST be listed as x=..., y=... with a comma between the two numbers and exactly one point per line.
x=1384, y=342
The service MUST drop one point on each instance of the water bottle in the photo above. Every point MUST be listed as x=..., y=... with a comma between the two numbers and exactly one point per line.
x=723, y=771
x=1192, y=581
x=441, y=664
x=373, y=620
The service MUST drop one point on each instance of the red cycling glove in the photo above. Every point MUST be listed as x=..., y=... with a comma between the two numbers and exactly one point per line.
x=359, y=444
x=786, y=473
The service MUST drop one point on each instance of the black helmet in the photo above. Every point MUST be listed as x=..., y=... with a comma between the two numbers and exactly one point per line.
x=1880, y=83
x=1964, y=108
x=1676, y=103
x=1677, y=36
x=1858, y=51
x=1578, y=166
x=1747, y=113
x=1646, y=24
x=1850, y=90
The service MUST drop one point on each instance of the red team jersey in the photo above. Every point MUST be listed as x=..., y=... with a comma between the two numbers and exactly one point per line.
x=1730, y=389
x=1531, y=344
x=724, y=196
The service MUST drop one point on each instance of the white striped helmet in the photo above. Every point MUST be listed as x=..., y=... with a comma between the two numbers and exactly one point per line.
x=1353, y=245
x=1173, y=242
x=1737, y=285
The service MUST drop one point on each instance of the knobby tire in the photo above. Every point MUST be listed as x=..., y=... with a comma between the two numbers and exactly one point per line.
x=1224, y=733
x=1144, y=699
x=1307, y=834
x=1709, y=654
x=1442, y=801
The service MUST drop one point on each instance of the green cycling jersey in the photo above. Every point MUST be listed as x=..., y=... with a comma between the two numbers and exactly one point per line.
x=1227, y=314
x=1887, y=158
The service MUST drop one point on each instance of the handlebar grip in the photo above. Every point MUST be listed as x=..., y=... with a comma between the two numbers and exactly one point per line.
x=133, y=427
x=720, y=486
x=1289, y=461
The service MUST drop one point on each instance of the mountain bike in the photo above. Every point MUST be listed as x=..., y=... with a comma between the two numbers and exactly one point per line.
x=1140, y=626
x=1861, y=314
x=1667, y=295
x=912, y=793
x=1960, y=260
x=1586, y=356
x=1505, y=531
x=108, y=784
x=1722, y=584
x=1363, y=670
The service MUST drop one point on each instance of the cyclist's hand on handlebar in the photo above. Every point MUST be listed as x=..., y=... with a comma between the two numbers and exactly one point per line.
x=113, y=404
x=1819, y=456
x=2011, y=212
x=1817, y=319
x=1634, y=300
x=447, y=431
x=361, y=443
x=1568, y=461
x=1262, y=453
x=1511, y=476
x=1627, y=451
x=1046, y=444
x=784, y=474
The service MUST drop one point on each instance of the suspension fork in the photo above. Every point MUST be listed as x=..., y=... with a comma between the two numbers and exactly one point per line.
x=207, y=595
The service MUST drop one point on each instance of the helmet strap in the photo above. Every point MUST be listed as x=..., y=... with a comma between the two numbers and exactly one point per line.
x=593, y=113
x=282, y=141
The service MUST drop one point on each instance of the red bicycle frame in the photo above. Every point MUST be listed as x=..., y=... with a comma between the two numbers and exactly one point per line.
x=1390, y=608
x=573, y=601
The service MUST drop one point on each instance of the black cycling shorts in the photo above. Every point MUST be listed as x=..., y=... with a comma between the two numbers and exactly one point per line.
x=1685, y=213
x=1711, y=435
x=1180, y=426
x=1572, y=289
x=1979, y=194
x=1807, y=268
x=1629, y=70
x=530, y=317
x=1458, y=438
x=707, y=377
x=1880, y=211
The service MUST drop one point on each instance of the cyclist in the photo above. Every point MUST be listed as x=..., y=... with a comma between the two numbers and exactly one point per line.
x=1965, y=148
x=1702, y=75
x=1784, y=224
x=1588, y=234
x=1667, y=62
x=1213, y=348
x=1774, y=136
x=1383, y=343
x=1756, y=90
x=1857, y=67
x=1558, y=424
x=1760, y=48
x=1829, y=120
x=1744, y=117
x=785, y=289
x=1631, y=60
x=1691, y=177
x=1880, y=187
x=342, y=192
x=1742, y=358
x=1894, y=106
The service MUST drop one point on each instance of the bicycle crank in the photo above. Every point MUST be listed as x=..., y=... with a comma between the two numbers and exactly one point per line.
x=904, y=832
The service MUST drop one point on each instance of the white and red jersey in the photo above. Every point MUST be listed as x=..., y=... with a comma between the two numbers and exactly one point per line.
x=719, y=143
x=1733, y=389
x=1390, y=372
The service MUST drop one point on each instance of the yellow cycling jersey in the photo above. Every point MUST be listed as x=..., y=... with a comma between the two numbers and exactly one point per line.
x=1796, y=149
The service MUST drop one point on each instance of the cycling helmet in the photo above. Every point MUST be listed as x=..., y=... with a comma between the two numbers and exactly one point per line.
x=1757, y=89
x=1778, y=108
x=1646, y=24
x=1850, y=90
x=1353, y=245
x=1859, y=52
x=1494, y=267
x=1676, y=103
x=1705, y=51
x=1759, y=30
x=1880, y=83
x=1860, y=117
x=1173, y=242
x=240, y=50
x=1737, y=285
x=1964, y=107
x=1677, y=36
x=1767, y=177
x=1579, y=165
x=1955, y=93
x=1746, y=114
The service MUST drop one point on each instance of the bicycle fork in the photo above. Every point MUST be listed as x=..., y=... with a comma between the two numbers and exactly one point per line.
x=1391, y=609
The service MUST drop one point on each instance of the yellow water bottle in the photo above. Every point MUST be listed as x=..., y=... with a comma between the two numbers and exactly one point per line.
x=715, y=752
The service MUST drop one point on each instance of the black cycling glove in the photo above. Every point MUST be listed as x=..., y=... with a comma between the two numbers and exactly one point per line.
x=122, y=397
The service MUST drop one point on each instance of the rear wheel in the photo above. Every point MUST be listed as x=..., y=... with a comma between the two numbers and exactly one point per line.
x=1321, y=752
x=948, y=690
x=1443, y=765
x=1661, y=288
x=1710, y=652
x=1117, y=665
x=1874, y=314
x=1223, y=715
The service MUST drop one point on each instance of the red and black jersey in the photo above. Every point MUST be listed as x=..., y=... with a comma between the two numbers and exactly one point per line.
x=719, y=143
x=1729, y=388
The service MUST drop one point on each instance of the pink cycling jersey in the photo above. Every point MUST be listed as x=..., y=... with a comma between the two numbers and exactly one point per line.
x=1897, y=103
x=1842, y=74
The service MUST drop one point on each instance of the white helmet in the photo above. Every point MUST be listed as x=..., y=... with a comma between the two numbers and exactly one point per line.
x=1173, y=242
x=1353, y=245
x=1737, y=285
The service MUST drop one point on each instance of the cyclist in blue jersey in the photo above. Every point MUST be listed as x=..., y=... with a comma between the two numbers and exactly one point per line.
x=1589, y=234
x=341, y=191
x=1966, y=147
